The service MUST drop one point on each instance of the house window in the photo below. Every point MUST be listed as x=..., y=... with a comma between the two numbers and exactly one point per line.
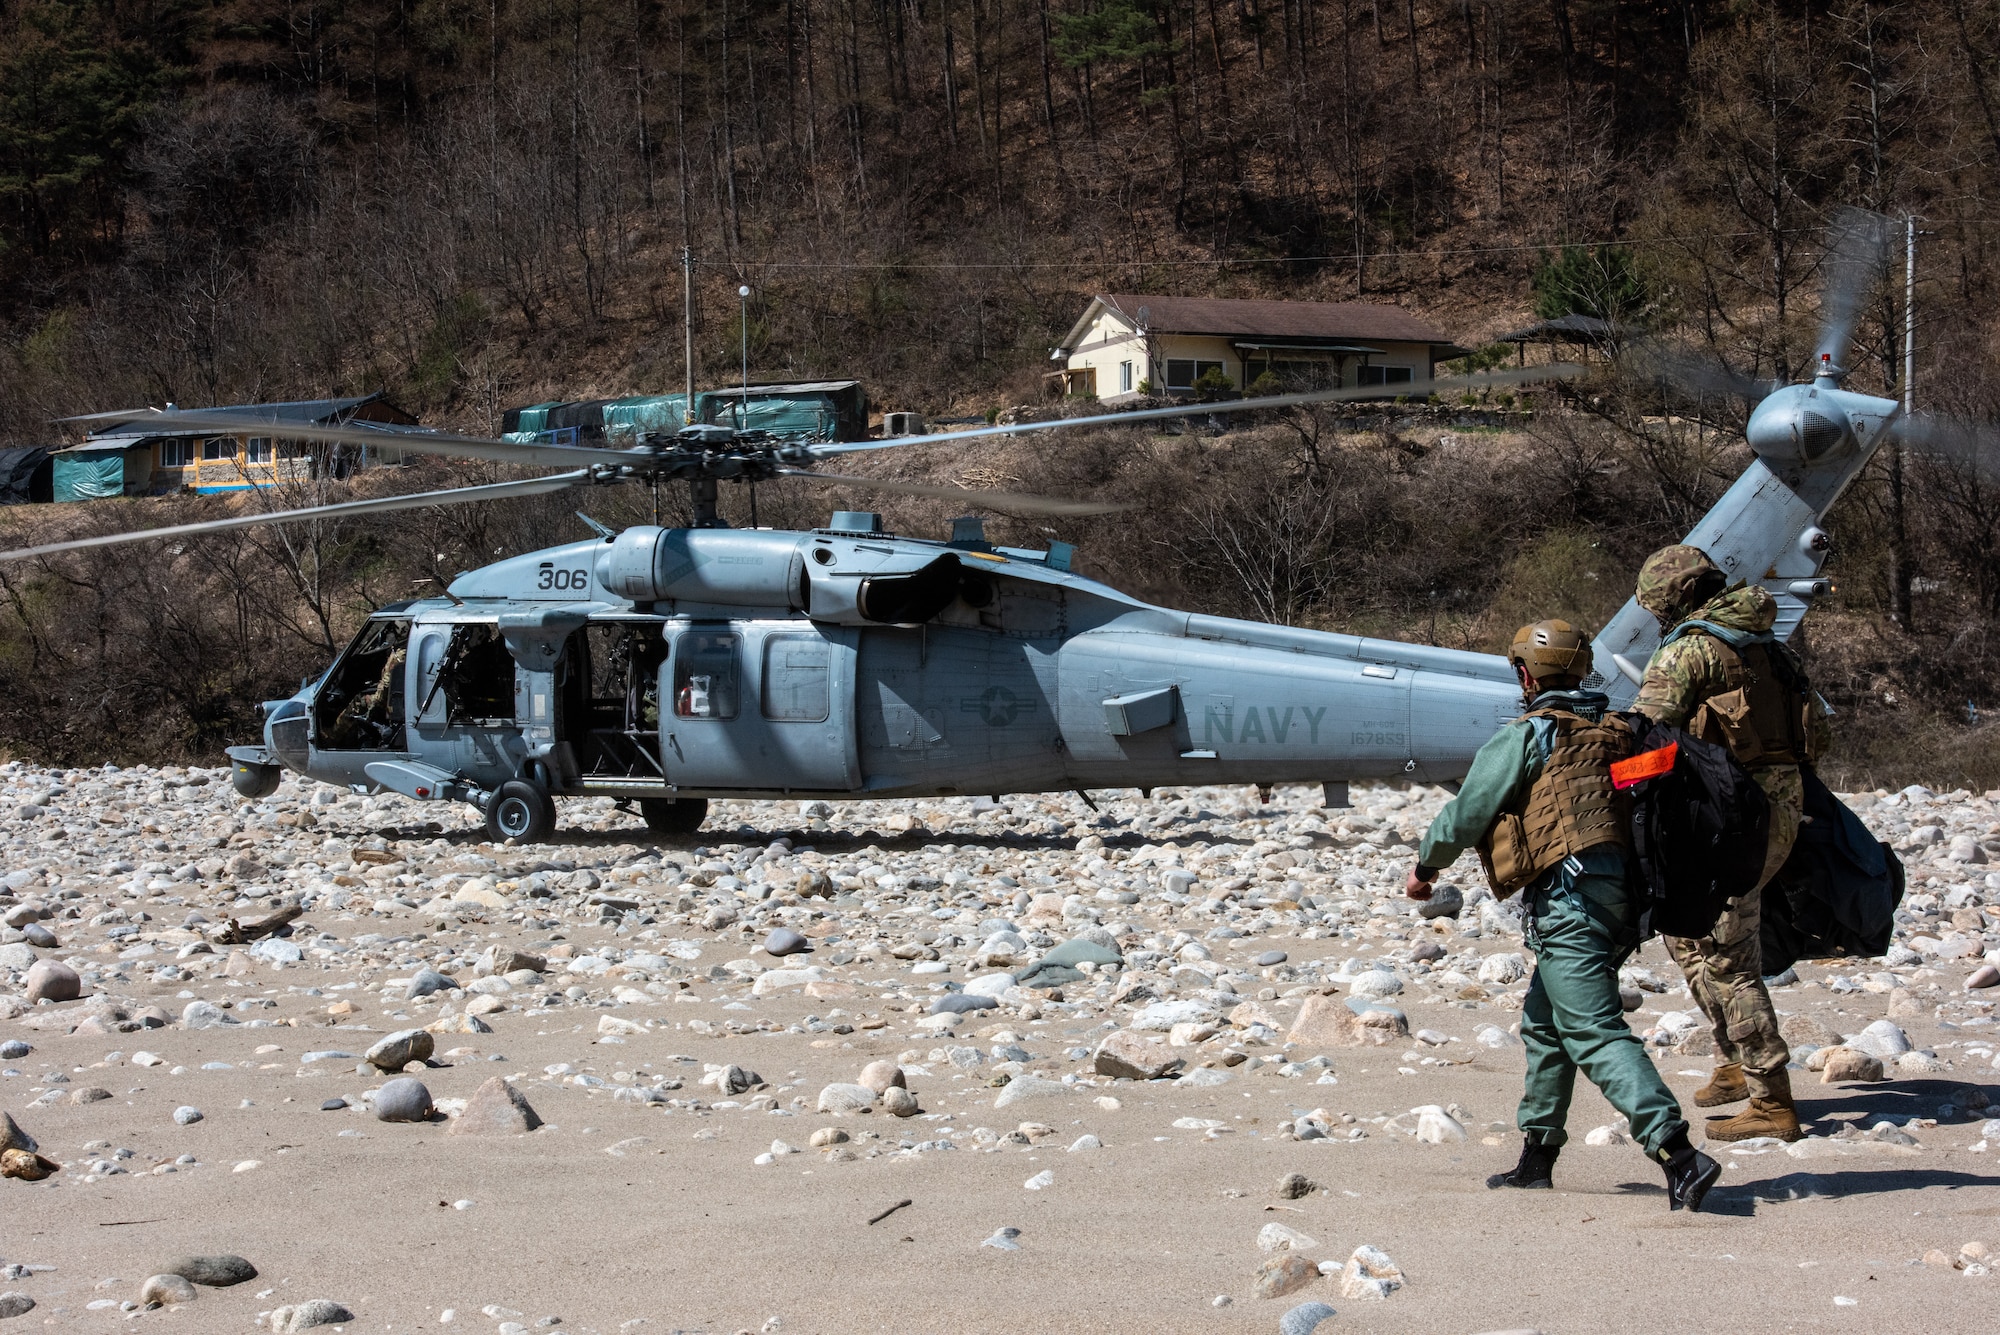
x=217, y=448
x=291, y=449
x=176, y=453
x=257, y=450
x=1182, y=373
x=1124, y=377
x=1384, y=375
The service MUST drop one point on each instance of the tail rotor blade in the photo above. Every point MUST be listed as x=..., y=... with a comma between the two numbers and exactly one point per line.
x=1857, y=251
x=1692, y=373
x=1953, y=439
x=496, y=491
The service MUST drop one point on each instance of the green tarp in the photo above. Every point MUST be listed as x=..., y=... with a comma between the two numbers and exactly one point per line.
x=819, y=411
x=647, y=412
x=791, y=417
x=89, y=475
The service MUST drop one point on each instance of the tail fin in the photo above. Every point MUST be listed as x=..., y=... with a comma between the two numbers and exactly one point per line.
x=1811, y=442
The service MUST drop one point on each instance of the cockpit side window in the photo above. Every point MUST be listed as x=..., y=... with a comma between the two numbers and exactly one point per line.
x=360, y=705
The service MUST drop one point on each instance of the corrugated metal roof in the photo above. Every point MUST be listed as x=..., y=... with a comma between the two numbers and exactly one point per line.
x=1258, y=318
x=803, y=387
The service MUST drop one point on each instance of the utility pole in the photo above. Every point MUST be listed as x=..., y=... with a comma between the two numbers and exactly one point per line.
x=1902, y=606
x=1910, y=317
x=687, y=317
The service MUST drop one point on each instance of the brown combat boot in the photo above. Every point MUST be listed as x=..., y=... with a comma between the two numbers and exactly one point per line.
x=1727, y=1085
x=1769, y=1114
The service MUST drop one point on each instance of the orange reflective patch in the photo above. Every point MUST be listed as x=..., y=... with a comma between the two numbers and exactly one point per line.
x=1647, y=765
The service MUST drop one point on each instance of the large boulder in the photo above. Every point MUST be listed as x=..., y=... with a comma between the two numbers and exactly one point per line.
x=1329, y=1022
x=52, y=980
x=496, y=1108
x=1126, y=1054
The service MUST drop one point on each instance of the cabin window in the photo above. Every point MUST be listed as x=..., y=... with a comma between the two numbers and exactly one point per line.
x=217, y=448
x=257, y=450
x=475, y=677
x=705, y=675
x=796, y=668
x=176, y=453
x=1384, y=375
x=1183, y=372
x=1124, y=377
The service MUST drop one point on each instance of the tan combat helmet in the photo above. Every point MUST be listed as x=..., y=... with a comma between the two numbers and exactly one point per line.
x=1551, y=651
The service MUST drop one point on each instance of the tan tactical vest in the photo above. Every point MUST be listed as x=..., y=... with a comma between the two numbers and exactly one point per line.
x=1760, y=718
x=1569, y=807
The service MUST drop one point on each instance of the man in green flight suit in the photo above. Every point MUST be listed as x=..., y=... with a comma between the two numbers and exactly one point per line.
x=1720, y=674
x=1540, y=807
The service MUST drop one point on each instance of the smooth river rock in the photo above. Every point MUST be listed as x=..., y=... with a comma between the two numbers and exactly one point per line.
x=401, y=1048
x=216, y=1272
x=403, y=1099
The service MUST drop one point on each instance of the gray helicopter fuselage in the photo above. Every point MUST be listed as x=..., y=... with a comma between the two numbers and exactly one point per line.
x=756, y=663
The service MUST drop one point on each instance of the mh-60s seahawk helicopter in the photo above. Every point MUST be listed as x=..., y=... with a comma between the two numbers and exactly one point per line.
x=668, y=666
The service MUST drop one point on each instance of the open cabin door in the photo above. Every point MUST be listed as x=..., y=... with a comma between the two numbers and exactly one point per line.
x=760, y=706
x=462, y=699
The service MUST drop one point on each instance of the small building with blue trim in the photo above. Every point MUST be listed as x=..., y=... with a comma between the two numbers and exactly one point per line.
x=147, y=457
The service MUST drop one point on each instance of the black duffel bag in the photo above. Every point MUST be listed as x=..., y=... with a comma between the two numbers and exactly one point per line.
x=1837, y=893
x=1700, y=827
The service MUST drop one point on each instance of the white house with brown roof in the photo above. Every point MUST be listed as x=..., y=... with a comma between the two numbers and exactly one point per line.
x=1125, y=346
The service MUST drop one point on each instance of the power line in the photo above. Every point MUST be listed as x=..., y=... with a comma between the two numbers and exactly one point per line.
x=1655, y=243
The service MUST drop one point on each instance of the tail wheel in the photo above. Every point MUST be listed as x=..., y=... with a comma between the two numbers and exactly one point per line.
x=676, y=817
x=521, y=811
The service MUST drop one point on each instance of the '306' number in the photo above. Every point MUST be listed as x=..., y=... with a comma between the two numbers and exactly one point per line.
x=563, y=579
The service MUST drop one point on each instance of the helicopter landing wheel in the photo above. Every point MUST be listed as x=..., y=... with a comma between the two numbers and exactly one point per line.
x=521, y=811
x=673, y=817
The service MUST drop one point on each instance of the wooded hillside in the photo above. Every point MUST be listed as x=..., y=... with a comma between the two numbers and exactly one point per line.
x=472, y=205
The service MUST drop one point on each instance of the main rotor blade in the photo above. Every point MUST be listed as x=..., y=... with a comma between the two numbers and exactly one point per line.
x=449, y=443
x=996, y=500
x=1451, y=384
x=495, y=491
x=1858, y=249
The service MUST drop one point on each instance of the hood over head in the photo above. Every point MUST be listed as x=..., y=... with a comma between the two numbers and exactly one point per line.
x=1675, y=580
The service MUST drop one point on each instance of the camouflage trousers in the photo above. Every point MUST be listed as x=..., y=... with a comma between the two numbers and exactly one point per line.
x=1724, y=969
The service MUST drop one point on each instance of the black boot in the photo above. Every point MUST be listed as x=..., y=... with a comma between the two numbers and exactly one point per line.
x=1690, y=1173
x=1533, y=1172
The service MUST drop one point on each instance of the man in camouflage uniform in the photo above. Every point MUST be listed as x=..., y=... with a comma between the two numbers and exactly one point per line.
x=1720, y=675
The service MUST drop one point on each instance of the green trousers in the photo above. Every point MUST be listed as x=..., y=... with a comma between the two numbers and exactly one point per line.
x=1584, y=924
